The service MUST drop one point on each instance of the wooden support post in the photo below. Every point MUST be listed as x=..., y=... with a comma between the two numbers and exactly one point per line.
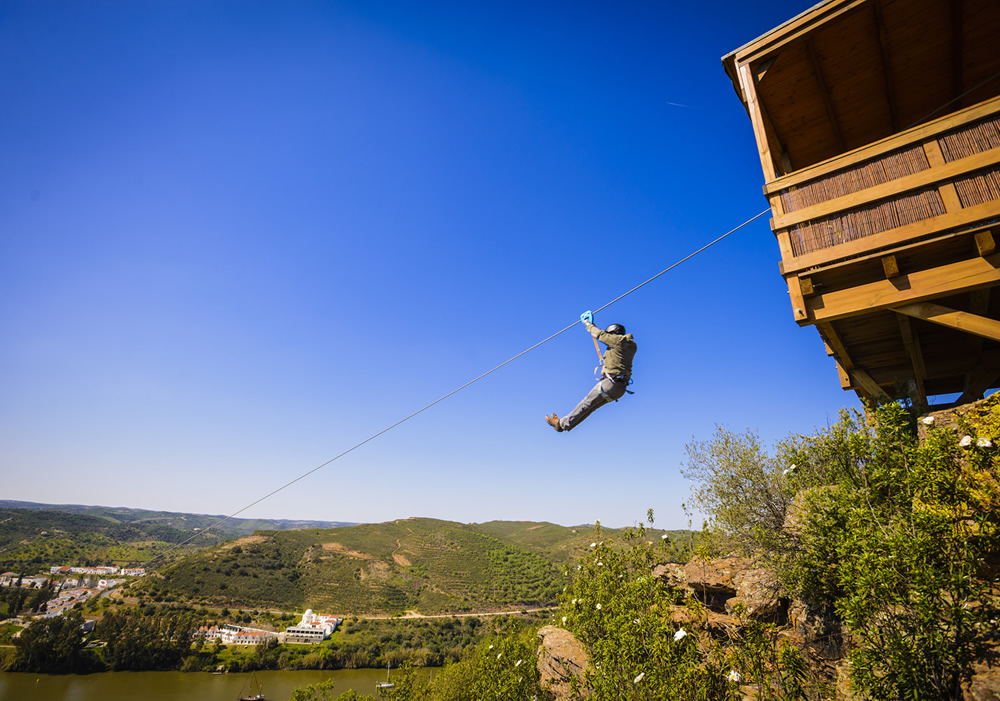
x=912, y=344
x=806, y=285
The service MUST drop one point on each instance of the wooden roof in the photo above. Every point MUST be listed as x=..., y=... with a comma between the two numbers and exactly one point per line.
x=847, y=73
x=849, y=85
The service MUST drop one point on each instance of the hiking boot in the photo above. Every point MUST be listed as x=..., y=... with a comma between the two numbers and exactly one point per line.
x=553, y=421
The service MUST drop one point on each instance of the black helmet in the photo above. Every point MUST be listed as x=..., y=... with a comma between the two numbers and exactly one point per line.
x=616, y=329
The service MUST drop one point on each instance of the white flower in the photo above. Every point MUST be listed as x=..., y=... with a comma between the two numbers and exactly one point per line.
x=966, y=441
x=499, y=655
x=927, y=420
x=564, y=620
x=600, y=564
x=734, y=676
x=664, y=536
x=639, y=678
x=573, y=602
x=593, y=545
x=598, y=607
x=518, y=663
x=788, y=470
x=679, y=634
x=490, y=647
x=636, y=621
x=984, y=443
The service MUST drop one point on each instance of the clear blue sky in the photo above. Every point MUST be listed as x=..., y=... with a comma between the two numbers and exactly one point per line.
x=238, y=238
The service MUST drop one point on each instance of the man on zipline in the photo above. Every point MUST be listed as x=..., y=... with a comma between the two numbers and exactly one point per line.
x=616, y=373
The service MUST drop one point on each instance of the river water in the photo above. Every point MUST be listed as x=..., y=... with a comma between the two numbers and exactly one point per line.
x=170, y=686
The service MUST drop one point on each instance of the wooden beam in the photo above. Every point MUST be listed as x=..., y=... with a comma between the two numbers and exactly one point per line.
x=806, y=285
x=969, y=216
x=918, y=286
x=843, y=374
x=824, y=91
x=868, y=384
x=795, y=296
x=912, y=344
x=757, y=121
x=836, y=348
x=883, y=45
x=920, y=134
x=952, y=318
x=893, y=188
x=957, y=48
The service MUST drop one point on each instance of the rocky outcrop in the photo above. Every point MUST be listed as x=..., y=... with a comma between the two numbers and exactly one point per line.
x=722, y=584
x=562, y=663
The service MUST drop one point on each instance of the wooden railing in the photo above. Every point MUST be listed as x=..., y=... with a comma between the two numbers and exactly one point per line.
x=940, y=176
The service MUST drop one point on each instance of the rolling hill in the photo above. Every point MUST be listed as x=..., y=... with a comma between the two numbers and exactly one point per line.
x=421, y=564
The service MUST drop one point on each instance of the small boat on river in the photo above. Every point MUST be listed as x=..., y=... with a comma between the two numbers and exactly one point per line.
x=253, y=693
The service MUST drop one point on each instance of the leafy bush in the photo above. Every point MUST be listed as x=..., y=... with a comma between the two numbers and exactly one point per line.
x=899, y=537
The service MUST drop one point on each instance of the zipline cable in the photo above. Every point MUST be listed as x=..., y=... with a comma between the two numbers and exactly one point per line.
x=446, y=396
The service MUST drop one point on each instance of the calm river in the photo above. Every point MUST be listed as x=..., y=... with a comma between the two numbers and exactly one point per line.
x=169, y=686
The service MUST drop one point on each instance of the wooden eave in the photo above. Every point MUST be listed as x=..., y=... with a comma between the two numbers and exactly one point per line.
x=904, y=308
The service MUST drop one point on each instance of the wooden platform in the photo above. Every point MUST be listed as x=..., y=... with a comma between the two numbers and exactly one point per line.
x=878, y=127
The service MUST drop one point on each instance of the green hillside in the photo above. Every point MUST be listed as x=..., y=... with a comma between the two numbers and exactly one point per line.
x=419, y=564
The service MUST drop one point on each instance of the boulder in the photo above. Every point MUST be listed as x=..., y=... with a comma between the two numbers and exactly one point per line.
x=758, y=590
x=562, y=663
x=984, y=685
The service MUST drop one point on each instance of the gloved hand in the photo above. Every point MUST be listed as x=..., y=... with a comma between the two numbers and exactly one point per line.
x=587, y=317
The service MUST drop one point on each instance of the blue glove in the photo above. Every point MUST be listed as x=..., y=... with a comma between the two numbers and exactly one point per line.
x=587, y=317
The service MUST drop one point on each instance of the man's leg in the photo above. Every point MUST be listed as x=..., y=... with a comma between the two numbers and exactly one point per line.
x=585, y=408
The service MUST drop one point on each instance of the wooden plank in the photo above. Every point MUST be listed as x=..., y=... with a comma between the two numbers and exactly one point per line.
x=953, y=318
x=920, y=286
x=917, y=181
x=872, y=151
x=806, y=285
x=890, y=267
x=883, y=45
x=904, y=234
x=912, y=344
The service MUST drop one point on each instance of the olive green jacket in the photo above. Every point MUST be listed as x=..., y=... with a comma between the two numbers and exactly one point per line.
x=618, y=356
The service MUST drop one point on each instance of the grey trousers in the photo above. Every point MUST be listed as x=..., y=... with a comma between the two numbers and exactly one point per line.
x=593, y=400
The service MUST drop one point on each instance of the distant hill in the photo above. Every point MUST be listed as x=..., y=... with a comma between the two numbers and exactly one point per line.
x=234, y=527
x=421, y=564
x=31, y=540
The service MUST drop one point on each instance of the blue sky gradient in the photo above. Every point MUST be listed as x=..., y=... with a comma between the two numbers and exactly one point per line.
x=238, y=238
